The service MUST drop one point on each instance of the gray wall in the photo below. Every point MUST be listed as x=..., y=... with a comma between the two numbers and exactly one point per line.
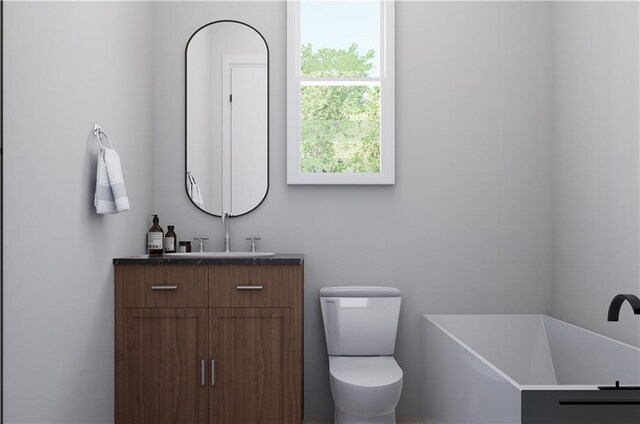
x=595, y=168
x=68, y=65
x=465, y=228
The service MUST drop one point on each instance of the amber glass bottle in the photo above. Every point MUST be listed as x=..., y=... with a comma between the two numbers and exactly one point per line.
x=170, y=240
x=155, y=238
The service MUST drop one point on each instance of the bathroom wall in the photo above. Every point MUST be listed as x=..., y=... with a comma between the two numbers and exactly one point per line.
x=466, y=226
x=1, y=205
x=595, y=169
x=68, y=65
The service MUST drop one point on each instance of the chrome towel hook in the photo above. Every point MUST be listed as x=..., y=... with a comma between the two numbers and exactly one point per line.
x=97, y=132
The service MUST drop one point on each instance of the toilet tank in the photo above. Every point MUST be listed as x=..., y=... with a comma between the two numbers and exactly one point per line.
x=360, y=320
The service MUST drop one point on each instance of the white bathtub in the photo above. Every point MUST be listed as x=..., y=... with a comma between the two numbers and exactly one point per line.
x=525, y=369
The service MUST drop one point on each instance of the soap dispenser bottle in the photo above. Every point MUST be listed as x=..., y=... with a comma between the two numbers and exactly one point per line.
x=155, y=238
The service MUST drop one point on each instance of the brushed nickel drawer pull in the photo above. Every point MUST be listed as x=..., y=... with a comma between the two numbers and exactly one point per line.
x=164, y=287
x=203, y=378
x=249, y=287
x=213, y=372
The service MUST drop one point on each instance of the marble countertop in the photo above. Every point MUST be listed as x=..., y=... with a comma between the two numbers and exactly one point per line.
x=278, y=259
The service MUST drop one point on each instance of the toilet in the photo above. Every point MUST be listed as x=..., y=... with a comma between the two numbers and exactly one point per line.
x=360, y=326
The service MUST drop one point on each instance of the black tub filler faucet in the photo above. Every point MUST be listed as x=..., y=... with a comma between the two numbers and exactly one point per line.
x=616, y=304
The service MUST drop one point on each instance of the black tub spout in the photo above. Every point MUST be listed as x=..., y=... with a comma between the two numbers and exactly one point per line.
x=616, y=304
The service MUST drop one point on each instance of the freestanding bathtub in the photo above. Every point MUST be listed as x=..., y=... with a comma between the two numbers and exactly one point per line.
x=525, y=369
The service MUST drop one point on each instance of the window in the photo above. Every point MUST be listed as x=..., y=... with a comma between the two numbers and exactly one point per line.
x=340, y=92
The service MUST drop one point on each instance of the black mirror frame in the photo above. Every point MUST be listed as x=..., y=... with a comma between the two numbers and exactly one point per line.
x=185, y=115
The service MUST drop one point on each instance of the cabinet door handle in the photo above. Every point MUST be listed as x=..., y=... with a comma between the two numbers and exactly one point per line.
x=164, y=287
x=203, y=378
x=249, y=287
x=213, y=372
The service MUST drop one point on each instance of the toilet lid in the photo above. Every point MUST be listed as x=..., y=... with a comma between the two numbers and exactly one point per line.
x=367, y=371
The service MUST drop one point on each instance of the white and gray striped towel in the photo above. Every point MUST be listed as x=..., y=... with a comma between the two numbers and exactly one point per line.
x=194, y=190
x=111, y=195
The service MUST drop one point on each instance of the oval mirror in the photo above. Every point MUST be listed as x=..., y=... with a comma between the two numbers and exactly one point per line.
x=227, y=118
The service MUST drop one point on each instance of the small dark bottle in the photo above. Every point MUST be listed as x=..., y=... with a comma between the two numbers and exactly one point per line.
x=155, y=238
x=170, y=240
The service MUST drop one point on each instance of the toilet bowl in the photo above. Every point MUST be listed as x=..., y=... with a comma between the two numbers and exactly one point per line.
x=365, y=390
x=360, y=326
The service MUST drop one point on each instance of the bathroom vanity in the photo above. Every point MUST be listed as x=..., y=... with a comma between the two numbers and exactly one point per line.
x=214, y=340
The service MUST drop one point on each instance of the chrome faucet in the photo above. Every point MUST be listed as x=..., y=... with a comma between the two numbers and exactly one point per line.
x=202, y=240
x=227, y=238
x=616, y=304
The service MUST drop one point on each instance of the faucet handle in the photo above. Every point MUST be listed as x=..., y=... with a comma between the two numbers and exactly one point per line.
x=253, y=243
x=202, y=240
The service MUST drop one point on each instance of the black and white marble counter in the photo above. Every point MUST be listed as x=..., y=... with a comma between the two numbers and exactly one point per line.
x=278, y=259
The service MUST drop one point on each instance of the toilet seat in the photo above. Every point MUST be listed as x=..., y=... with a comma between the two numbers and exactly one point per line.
x=365, y=371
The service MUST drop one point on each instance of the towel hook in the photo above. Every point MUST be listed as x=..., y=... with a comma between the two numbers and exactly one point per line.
x=97, y=132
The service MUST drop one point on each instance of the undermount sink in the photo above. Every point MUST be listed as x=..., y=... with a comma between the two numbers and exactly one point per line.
x=230, y=255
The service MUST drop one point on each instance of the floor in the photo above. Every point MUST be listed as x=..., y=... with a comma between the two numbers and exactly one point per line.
x=400, y=421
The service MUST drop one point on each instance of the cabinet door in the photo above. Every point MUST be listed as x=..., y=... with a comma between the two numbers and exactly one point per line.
x=160, y=378
x=254, y=372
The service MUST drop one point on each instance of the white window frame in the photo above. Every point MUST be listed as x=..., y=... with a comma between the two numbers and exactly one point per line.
x=387, y=103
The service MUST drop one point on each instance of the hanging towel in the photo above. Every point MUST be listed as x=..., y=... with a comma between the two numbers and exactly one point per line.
x=111, y=195
x=194, y=190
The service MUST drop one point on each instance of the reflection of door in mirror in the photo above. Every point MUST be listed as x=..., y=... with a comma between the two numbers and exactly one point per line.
x=244, y=146
x=227, y=117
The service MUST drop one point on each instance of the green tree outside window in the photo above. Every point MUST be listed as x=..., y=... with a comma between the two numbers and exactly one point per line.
x=340, y=124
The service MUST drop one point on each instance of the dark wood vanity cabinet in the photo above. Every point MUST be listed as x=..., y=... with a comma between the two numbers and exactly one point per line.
x=158, y=354
x=208, y=343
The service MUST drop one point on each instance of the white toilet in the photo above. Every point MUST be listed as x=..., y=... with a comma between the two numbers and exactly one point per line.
x=360, y=325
